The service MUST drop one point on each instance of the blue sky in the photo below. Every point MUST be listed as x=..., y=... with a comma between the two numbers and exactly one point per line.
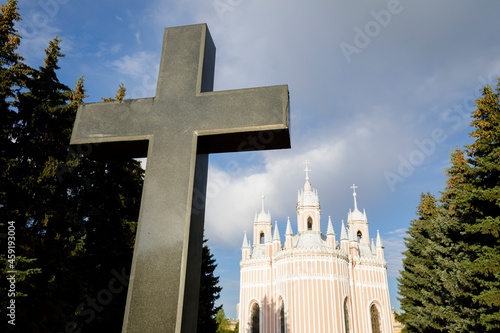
x=380, y=92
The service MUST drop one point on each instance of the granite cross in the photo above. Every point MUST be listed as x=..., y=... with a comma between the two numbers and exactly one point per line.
x=176, y=130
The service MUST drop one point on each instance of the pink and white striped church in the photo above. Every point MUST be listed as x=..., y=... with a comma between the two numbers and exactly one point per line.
x=313, y=283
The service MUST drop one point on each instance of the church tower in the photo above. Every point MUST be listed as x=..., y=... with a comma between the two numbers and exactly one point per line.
x=308, y=209
x=312, y=283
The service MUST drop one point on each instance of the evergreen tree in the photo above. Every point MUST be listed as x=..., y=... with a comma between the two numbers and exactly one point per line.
x=209, y=293
x=74, y=216
x=482, y=221
x=419, y=282
x=451, y=271
x=120, y=94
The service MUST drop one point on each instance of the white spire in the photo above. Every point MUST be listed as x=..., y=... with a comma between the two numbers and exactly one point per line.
x=355, y=215
x=276, y=231
x=307, y=170
x=263, y=216
x=307, y=185
x=343, y=233
x=288, y=228
x=379, y=240
x=329, y=230
x=245, y=241
x=354, y=187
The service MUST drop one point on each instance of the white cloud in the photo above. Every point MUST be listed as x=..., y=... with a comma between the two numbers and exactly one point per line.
x=141, y=73
x=393, y=248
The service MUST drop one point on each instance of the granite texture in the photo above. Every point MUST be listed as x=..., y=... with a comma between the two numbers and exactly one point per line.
x=177, y=130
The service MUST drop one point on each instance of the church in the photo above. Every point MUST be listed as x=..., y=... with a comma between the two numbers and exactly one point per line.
x=313, y=283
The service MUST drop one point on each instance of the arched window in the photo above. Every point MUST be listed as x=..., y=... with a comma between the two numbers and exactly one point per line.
x=346, y=316
x=375, y=319
x=255, y=319
x=309, y=223
x=282, y=317
x=359, y=236
x=262, y=238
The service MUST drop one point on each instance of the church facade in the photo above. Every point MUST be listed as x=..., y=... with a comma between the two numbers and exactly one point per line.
x=312, y=282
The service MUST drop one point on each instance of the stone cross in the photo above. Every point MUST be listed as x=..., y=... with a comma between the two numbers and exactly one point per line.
x=176, y=130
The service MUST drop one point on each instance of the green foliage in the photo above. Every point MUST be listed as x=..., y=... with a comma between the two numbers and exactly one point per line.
x=222, y=322
x=451, y=271
x=237, y=327
x=75, y=217
x=209, y=293
x=120, y=94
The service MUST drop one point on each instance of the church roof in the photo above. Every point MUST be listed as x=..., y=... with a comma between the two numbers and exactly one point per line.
x=309, y=240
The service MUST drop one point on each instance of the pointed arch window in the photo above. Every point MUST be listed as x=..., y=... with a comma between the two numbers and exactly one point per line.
x=375, y=319
x=282, y=317
x=262, y=238
x=360, y=235
x=309, y=223
x=255, y=319
x=346, y=316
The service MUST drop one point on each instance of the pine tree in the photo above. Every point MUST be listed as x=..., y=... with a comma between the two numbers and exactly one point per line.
x=482, y=221
x=75, y=217
x=209, y=293
x=451, y=271
x=418, y=281
x=120, y=94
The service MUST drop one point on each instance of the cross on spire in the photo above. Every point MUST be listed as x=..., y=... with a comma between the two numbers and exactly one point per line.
x=307, y=170
x=263, y=197
x=354, y=187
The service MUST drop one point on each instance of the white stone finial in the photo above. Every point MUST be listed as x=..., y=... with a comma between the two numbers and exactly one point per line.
x=343, y=233
x=379, y=241
x=245, y=241
x=263, y=197
x=288, y=231
x=354, y=187
x=329, y=230
x=276, y=235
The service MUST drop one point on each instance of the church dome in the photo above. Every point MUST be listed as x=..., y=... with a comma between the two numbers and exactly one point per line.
x=263, y=216
x=307, y=196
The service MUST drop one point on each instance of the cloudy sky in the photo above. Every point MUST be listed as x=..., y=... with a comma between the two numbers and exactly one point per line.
x=380, y=92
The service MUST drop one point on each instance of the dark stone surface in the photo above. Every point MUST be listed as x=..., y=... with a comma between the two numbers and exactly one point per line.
x=176, y=130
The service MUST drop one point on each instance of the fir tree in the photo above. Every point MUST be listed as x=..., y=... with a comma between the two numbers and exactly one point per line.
x=75, y=217
x=452, y=282
x=482, y=222
x=209, y=293
x=419, y=281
